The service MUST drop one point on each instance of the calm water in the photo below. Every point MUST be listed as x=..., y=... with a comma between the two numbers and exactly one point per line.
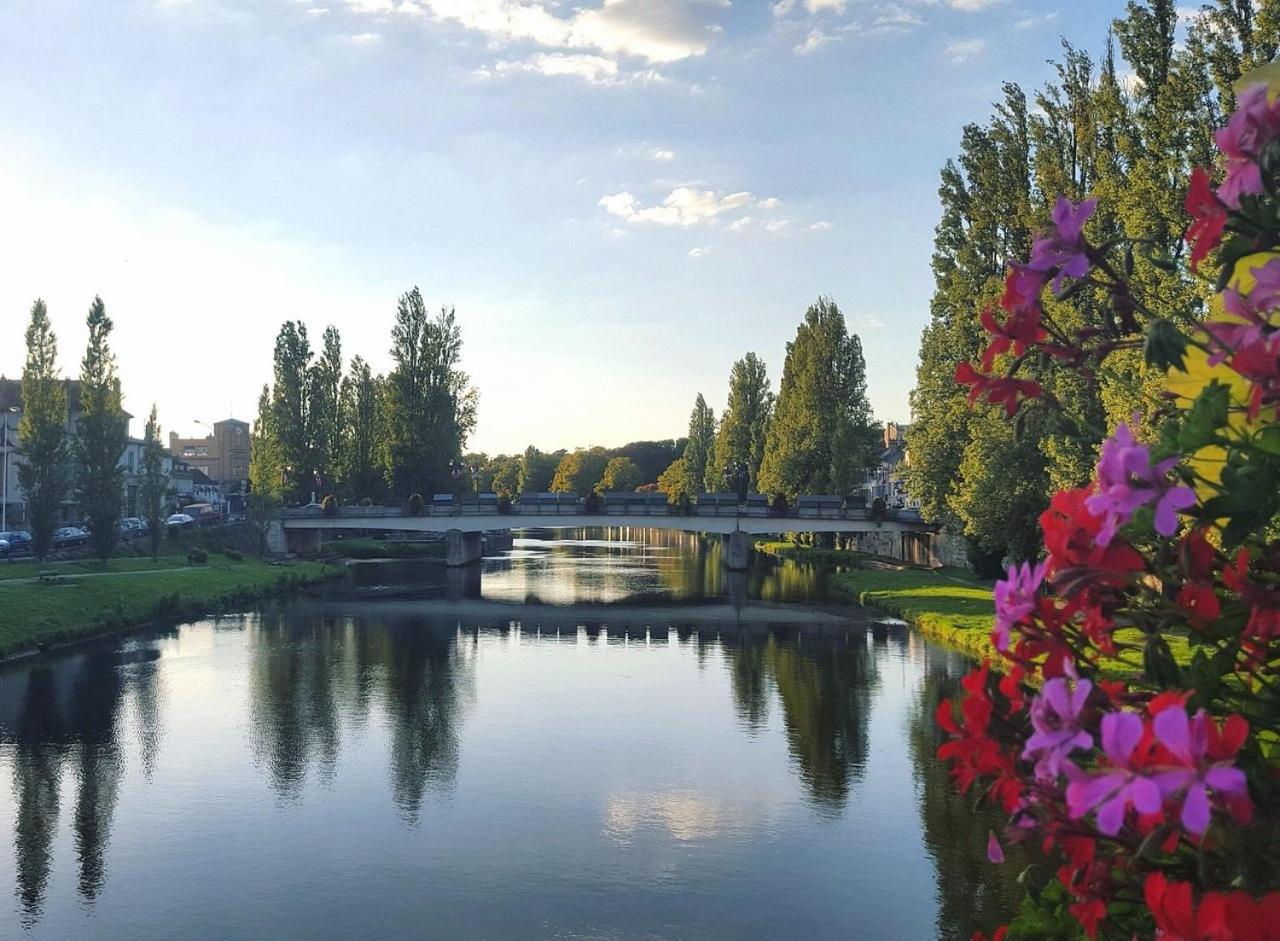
x=605, y=738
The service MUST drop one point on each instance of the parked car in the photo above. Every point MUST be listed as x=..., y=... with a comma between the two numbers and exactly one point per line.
x=19, y=541
x=4, y=548
x=133, y=526
x=179, y=519
x=69, y=536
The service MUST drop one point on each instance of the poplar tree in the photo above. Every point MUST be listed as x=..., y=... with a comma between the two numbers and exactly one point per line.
x=361, y=453
x=101, y=436
x=266, y=469
x=430, y=403
x=536, y=470
x=700, y=448
x=42, y=432
x=154, y=483
x=291, y=423
x=325, y=410
x=745, y=423
x=821, y=438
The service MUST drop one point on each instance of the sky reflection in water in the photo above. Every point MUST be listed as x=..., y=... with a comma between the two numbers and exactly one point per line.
x=496, y=768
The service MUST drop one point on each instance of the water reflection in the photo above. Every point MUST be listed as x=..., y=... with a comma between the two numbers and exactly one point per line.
x=721, y=768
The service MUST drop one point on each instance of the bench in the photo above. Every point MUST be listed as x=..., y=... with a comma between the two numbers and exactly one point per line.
x=49, y=577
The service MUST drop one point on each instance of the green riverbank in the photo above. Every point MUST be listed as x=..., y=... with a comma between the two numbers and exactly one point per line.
x=84, y=599
x=950, y=606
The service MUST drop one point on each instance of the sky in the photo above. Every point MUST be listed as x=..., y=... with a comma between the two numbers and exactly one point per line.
x=619, y=197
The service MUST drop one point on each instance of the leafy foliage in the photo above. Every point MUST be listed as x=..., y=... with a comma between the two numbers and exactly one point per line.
x=42, y=431
x=101, y=435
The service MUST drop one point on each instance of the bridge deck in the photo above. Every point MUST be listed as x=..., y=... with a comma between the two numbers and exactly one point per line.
x=703, y=524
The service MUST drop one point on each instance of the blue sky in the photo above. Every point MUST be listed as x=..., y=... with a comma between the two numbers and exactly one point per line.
x=620, y=197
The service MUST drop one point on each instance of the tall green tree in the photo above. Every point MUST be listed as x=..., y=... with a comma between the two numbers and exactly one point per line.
x=620, y=476
x=745, y=423
x=700, y=449
x=537, y=469
x=154, y=484
x=326, y=410
x=361, y=456
x=579, y=471
x=821, y=438
x=266, y=469
x=291, y=411
x=430, y=403
x=101, y=436
x=42, y=431
x=678, y=483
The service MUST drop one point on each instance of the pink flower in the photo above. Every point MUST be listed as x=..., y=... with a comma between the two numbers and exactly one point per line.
x=1015, y=599
x=995, y=853
x=1194, y=773
x=1114, y=790
x=1253, y=125
x=1127, y=480
x=1055, y=716
x=1065, y=248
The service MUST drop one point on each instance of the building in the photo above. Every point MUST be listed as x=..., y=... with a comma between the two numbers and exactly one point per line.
x=12, y=493
x=884, y=480
x=222, y=457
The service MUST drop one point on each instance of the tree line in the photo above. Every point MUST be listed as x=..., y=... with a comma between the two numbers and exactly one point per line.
x=1126, y=126
x=816, y=435
x=64, y=460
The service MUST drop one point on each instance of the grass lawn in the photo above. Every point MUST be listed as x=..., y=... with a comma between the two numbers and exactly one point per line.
x=951, y=606
x=133, y=592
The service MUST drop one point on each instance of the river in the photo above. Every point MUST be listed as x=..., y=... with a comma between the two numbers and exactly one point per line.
x=592, y=735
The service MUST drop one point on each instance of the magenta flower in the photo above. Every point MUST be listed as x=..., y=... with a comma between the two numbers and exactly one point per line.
x=1253, y=311
x=1253, y=125
x=1187, y=741
x=1127, y=480
x=1055, y=716
x=1064, y=249
x=995, y=853
x=1015, y=599
x=1114, y=790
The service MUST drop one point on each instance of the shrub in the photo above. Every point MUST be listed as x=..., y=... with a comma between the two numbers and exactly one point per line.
x=234, y=555
x=365, y=501
x=591, y=503
x=416, y=505
x=197, y=556
x=879, y=510
x=329, y=506
x=779, y=504
x=504, y=502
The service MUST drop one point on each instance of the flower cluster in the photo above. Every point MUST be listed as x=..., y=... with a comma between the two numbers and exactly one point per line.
x=1130, y=729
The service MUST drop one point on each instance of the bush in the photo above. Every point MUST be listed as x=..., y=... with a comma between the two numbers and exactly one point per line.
x=197, y=556
x=779, y=504
x=365, y=501
x=329, y=505
x=591, y=503
x=415, y=505
x=234, y=555
x=504, y=502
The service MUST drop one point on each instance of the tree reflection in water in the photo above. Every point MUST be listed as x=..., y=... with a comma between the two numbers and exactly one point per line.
x=63, y=716
x=825, y=683
x=972, y=894
x=310, y=678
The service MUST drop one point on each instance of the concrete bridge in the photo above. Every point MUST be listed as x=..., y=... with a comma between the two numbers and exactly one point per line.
x=463, y=524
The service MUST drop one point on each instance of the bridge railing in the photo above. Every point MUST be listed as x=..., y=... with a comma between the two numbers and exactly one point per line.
x=821, y=507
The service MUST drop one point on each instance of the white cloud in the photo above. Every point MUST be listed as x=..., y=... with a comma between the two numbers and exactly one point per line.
x=658, y=31
x=962, y=50
x=777, y=225
x=817, y=6
x=772, y=202
x=737, y=225
x=663, y=155
x=1030, y=22
x=893, y=16
x=364, y=39
x=868, y=323
x=699, y=251
x=972, y=6
x=813, y=42
x=596, y=70
x=683, y=206
x=317, y=11
x=822, y=226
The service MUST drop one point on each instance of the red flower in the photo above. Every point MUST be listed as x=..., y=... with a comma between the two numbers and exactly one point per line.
x=998, y=390
x=1070, y=535
x=1208, y=214
x=1220, y=916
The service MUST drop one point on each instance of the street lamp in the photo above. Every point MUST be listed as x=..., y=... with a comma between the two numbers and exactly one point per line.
x=457, y=470
x=4, y=492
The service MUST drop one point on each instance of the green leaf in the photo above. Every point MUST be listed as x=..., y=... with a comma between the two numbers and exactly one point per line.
x=1165, y=346
x=1207, y=414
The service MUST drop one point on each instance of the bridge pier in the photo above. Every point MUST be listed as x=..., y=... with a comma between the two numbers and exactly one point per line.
x=462, y=548
x=736, y=551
